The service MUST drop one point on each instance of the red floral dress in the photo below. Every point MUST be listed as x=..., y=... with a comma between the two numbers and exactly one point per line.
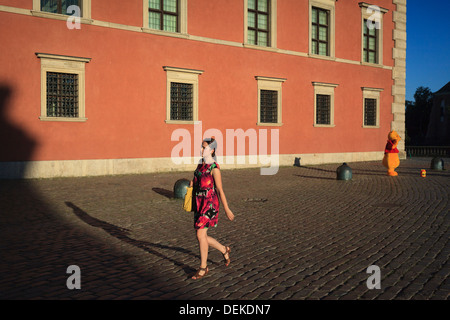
x=206, y=202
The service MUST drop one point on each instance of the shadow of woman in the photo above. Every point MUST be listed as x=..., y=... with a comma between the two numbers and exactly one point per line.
x=122, y=234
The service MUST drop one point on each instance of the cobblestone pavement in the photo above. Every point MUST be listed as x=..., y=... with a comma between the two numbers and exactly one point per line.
x=299, y=234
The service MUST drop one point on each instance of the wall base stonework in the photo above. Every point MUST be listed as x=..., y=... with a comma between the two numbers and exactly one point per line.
x=103, y=167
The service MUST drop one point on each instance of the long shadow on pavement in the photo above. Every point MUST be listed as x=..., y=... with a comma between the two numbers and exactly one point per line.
x=122, y=234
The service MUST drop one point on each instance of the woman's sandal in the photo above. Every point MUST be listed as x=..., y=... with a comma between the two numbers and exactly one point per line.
x=227, y=261
x=198, y=276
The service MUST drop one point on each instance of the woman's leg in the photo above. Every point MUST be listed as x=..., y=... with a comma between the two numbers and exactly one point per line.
x=202, y=238
x=216, y=244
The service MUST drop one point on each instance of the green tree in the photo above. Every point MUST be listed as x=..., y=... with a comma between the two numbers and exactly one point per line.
x=418, y=115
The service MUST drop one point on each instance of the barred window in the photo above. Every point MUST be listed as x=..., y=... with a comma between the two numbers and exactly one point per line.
x=320, y=25
x=323, y=109
x=370, y=46
x=370, y=112
x=259, y=22
x=163, y=15
x=269, y=106
x=62, y=95
x=58, y=6
x=181, y=101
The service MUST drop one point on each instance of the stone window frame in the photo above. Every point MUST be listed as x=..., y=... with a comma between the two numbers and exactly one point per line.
x=324, y=89
x=328, y=5
x=379, y=45
x=85, y=12
x=371, y=93
x=182, y=20
x=182, y=75
x=272, y=29
x=272, y=84
x=63, y=64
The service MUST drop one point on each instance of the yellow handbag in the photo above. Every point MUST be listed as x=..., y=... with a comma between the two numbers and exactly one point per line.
x=187, y=205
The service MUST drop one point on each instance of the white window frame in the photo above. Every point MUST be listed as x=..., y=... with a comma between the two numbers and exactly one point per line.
x=273, y=26
x=366, y=13
x=63, y=64
x=324, y=89
x=182, y=20
x=274, y=84
x=182, y=75
x=330, y=6
x=371, y=93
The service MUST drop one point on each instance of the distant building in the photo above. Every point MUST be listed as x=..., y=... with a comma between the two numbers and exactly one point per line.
x=439, y=126
x=104, y=94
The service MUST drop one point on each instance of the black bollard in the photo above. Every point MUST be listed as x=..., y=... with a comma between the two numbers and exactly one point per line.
x=180, y=188
x=344, y=172
x=437, y=164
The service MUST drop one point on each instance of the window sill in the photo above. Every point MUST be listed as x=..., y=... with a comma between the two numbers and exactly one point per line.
x=180, y=121
x=371, y=127
x=165, y=33
x=324, y=125
x=369, y=64
x=58, y=16
x=253, y=46
x=63, y=119
x=263, y=124
x=318, y=56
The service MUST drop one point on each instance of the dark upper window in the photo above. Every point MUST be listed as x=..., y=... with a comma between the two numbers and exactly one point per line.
x=258, y=22
x=58, y=6
x=370, y=45
x=370, y=112
x=320, y=27
x=269, y=106
x=62, y=95
x=163, y=15
x=323, y=109
x=181, y=101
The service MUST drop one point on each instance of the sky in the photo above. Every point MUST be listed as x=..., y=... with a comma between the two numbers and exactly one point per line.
x=427, y=45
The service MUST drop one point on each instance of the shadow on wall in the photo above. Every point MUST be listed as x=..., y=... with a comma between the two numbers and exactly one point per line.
x=38, y=242
x=16, y=146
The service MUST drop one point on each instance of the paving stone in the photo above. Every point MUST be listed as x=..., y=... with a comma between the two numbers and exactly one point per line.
x=313, y=238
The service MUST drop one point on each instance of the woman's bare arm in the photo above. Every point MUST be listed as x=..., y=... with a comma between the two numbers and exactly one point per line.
x=218, y=182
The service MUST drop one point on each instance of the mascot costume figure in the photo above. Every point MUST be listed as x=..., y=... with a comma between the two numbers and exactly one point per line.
x=391, y=160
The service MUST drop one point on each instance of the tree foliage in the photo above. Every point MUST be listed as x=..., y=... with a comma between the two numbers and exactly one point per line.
x=418, y=115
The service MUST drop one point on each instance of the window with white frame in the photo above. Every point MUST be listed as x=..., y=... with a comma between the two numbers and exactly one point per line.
x=270, y=101
x=182, y=95
x=62, y=87
x=324, y=104
x=321, y=28
x=372, y=33
x=371, y=107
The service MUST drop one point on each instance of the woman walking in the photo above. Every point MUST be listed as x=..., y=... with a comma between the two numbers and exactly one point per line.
x=207, y=185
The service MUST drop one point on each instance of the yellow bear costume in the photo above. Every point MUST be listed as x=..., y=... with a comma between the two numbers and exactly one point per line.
x=391, y=160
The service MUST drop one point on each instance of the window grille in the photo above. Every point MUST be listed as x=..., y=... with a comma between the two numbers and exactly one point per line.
x=58, y=6
x=269, y=106
x=258, y=22
x=370, y=112
x=320, y=31
x=323, y=109
x=181, y=101
x=62, y=95
x=163, y=15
